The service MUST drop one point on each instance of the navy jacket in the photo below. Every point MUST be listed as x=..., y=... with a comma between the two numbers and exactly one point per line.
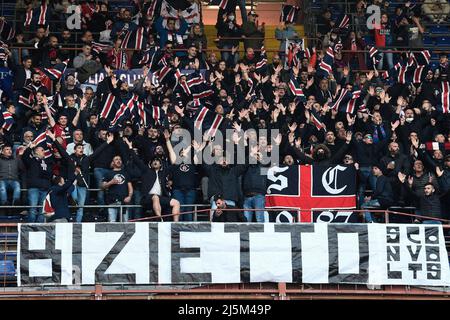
x=59, y=198
x=39, y=171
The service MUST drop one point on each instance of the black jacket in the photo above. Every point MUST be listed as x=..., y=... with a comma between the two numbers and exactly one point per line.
x=254, y=181
x=148, y=177
x=383, y=192
x=368, y=154
x=39, y=171
x=59, y=198
x=401, y=165
x=229, y=216
x=224, y=180
x=430, y=206
x=83, y=162
x=104, y=159
x=20, y=78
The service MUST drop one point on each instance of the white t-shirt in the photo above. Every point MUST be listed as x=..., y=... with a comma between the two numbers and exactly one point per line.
x=156, y=189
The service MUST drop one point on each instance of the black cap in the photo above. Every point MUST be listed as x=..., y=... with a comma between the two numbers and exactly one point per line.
x=218, y=196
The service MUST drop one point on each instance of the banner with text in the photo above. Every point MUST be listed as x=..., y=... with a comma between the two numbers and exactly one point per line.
x=310, y=188
x=175, y=253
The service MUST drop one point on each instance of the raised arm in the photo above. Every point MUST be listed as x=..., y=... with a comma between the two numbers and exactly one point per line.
x=58, y=146
x=172, y=155
x=77, y=116
x=141, y=165
x=51, y=120
x=99, y=150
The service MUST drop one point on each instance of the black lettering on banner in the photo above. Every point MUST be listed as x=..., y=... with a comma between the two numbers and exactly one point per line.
x=244, y=231
x=77, y=251
x=393, y=274
x=432, y=253
x=363, y=239
x=128, y=230
x=178, y=253
x=333, y=216
x=48, y=253
x=296, y=231
x=392, y=234
x=414, y=267
x=153, y=251
x=414, y=254
x=432, y=235
x=433, y=271
x=393, y=253
x=413, y=231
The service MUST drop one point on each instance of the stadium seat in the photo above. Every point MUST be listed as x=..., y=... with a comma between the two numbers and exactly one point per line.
x=428, y=41
x=438, y=29
x=443, y=41
x=434, y=64
x=7, y=268
x=8, y=236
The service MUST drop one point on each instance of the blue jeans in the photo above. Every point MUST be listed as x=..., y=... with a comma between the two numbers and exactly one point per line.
x=6, y=185
x=99, y=174
x=113, y=212
x=431, y=222
x=371, y=203
x=390, y=61
x=36, y=199
x=79, y=195
x=136, y=213
x=185, y=197
x=255, y=202
x=365, y=177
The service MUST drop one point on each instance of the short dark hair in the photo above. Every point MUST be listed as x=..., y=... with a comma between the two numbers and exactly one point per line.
x=78, y=144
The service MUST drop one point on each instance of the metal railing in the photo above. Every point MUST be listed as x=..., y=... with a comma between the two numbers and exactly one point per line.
x=276, y=291
x=386, y=213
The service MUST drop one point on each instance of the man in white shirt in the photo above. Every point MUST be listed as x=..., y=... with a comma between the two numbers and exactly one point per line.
x=78, y=138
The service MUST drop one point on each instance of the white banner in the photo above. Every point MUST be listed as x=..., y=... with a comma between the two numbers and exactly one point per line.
x=164, y=253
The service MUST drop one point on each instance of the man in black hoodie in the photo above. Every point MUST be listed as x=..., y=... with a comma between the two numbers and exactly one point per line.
x=382, y=196
x=102, y=164
x=367, y=154
x=39, y=173
x=155, y=191
x=254, y=187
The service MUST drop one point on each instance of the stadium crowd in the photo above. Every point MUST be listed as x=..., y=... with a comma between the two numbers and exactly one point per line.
x=386, y=113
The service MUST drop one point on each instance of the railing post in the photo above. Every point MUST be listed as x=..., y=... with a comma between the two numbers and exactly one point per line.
x=195, y=213
x=386, y=216
x=121, y=212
